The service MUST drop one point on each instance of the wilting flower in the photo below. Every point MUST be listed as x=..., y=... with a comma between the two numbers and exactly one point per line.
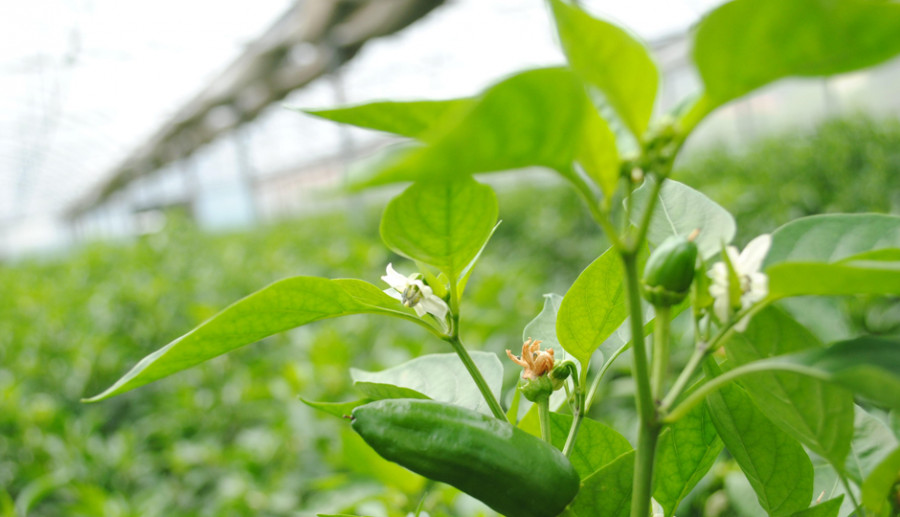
x=536, y=362
x=412, y=292
x=753, y=285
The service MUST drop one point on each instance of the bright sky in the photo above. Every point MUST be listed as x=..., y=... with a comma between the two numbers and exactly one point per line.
x=83, y=82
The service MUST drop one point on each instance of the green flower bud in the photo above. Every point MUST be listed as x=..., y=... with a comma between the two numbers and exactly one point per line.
x=538, y=388
x=670, y=271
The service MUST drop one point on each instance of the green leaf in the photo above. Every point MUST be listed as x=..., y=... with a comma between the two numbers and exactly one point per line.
x=413, y=119
x=686, y=451
x=598, y=155
x=596, y=445
x=815, y=278
x=868, y=366
x=829, y=508
x=775, y=464
x=833, y=237
x=531, y=119
x=443, y=224
x=878, y=484
x=442, y=377
x=594, y=307
x=281, y=306
x=384, y=390
x=613, y=61
x=543, y=326
x=746, y=44
x=338, y=409
x=606, y=492
x=818, y=414
x=872, y=443
x=679, y=211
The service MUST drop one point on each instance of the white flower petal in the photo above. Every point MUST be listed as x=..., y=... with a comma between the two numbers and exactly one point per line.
x=395, y=279
x=420, y=310
x=722, y=307
x=393, y=294
x=752, y=257
x=434, y=306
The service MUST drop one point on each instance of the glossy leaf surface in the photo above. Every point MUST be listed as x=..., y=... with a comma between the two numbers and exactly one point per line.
x=533, y=118
x=612, y=60
x=679, y=211
x=443, y=224
x=686, y=451
x=281, y=306
x=594, y=307
x=818, y=414
x=775, y=464
x=413, y=119
x=833, y=237
x=607, y=492
x=441, y=377
x=745, y=44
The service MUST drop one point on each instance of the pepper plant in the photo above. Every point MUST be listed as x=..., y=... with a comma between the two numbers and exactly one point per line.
x=757, y=382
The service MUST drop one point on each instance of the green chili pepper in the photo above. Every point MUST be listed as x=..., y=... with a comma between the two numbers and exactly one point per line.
x=511, y=471
x=670, y=271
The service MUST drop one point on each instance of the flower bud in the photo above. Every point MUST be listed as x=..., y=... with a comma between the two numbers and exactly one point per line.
x=538, y=388
x=670, y=271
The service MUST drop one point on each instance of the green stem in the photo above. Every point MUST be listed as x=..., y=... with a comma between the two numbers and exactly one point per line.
x=464, y=356
x=648, y=214
x=700, y=352
x=762, y=365
x=584, y=190
x=543, y=405
x=595, y=386
x=849, y=490
x=660, y=359
x=703, y=350
x=649, y=428
x=483, y=387
x=577, y=417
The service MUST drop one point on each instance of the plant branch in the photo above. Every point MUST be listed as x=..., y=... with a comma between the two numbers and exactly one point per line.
x=543, y=405
x=649, y=428
x=762, y=365
x=473, y=370
x=660, y=358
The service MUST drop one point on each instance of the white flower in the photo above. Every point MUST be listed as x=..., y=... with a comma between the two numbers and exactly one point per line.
x=412, y=292
x=753, y=285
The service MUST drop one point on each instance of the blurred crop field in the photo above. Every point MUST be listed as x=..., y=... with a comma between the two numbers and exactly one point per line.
x=231, y=437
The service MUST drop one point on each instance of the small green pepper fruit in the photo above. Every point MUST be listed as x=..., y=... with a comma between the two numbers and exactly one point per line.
x=561, y=372
x=670, y=271
x=513, y=472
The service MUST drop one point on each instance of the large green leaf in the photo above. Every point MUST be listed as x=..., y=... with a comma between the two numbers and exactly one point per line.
x=281, y=306
x=594, y=307
x=596, y=445
x=746, y=44
x=775, y=464
x=816, y=278
x=878, y=483
x=441, y=223
x=441, y=377
x=613, y=61
x=679, y=211
x=533, y=118
x=870, y=367
x=686, y=451
x=833, y=237
x=598, y=155
x=414, y=119
x=606, y=492
x=818, y=414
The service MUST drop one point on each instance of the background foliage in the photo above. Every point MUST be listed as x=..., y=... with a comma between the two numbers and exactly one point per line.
x=231, y=438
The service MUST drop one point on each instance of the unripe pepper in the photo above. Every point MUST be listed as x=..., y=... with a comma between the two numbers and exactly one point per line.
x=670, y=271
x=513, y=472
